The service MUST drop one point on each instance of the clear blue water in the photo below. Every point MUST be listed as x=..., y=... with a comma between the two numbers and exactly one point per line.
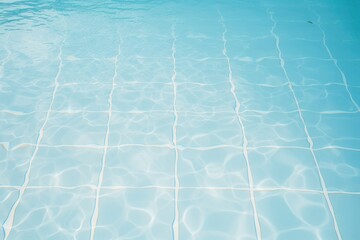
x=180, y=119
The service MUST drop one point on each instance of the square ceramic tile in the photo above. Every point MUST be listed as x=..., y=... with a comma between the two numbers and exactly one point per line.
x=135, y=213
x=53, y=213
x=145, y=70
x=333, y=129
x=75, y=129
x=274, y=129
x=66, y=167
x=309, y=71
x=292, y=215
x=221, y=167
x=18, y=129
x=141, y=128
x=14, y=164
x=202, y=71
x=347, y=212
x=340, y=169
x=265, y=98
x=140, y=166
x=203, y=130
x=86, y=71
x=247, y=70
x=284, y=167
x=205, y=98
x=24, y=99
x=212, y=214
x=308, y=49
x=143, y=97
x=332, y=98
x=82, y=97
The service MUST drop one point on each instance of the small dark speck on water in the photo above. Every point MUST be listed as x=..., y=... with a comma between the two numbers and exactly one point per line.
x=310, y=22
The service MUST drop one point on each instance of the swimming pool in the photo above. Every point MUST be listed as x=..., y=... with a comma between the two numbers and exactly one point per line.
x=179, y=119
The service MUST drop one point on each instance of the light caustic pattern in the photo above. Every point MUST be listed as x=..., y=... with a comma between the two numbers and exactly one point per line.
x=179, y=120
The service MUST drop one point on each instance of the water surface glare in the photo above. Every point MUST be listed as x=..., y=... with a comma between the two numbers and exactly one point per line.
x=180, y=120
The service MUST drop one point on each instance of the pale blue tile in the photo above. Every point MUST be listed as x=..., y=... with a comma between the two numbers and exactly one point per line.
x=284, y=167
x=140, y=166
x=203, y=130
x=347, y=212
x=340, y=169
x=66, y=167
x=223, y=167
x=213, y=214
x=291, y=215
x=136, y=214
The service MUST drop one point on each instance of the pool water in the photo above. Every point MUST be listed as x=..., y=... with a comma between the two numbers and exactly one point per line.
x=180, y=119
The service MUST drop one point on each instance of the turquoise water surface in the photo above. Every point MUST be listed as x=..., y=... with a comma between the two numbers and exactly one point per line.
x=180, y=120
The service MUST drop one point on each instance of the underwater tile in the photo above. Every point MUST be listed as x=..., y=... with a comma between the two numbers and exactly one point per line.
x=351, y=70
x=19, y=71
x=13, y=165
x=199, y=47
x=54, y=213
x=20, y=128
x=347, y=212
x=145, y=70
x=141, y=128
x=344, y=49
x=298, y=30
x=146, y=47
x=333, y=129
x=143, y=97
x=222, y=167
x=309, y=49
x=215, y=214
x=135, y=214
x=257, y=71
x=86, y=44
x=140, y=166
x=202, y=29
x=258, y=48
x=34, y=44
x=246, y=28
x=274, y=129
x=82, y=97
x=204, y=98
x=86, y=71
x=202, y=71
x=309, y=71
x=265, y=98
x=203, y=130
x=324, y=98
x=75, y=129
x=340, y=169
x=66, y=167
x=25, y=99
x=293, y=215
x=283, y=167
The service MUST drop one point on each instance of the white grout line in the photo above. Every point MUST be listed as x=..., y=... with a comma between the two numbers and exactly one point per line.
x=173, y=188
x=8, y=224
x=82, y=111
x=171, y=146
x=175, y=225
x=343, y=77
x=95, y=214
x=311, y=147
x=245, y=142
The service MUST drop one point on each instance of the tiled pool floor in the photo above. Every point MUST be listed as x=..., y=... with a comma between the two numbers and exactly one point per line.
x=180, y=120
